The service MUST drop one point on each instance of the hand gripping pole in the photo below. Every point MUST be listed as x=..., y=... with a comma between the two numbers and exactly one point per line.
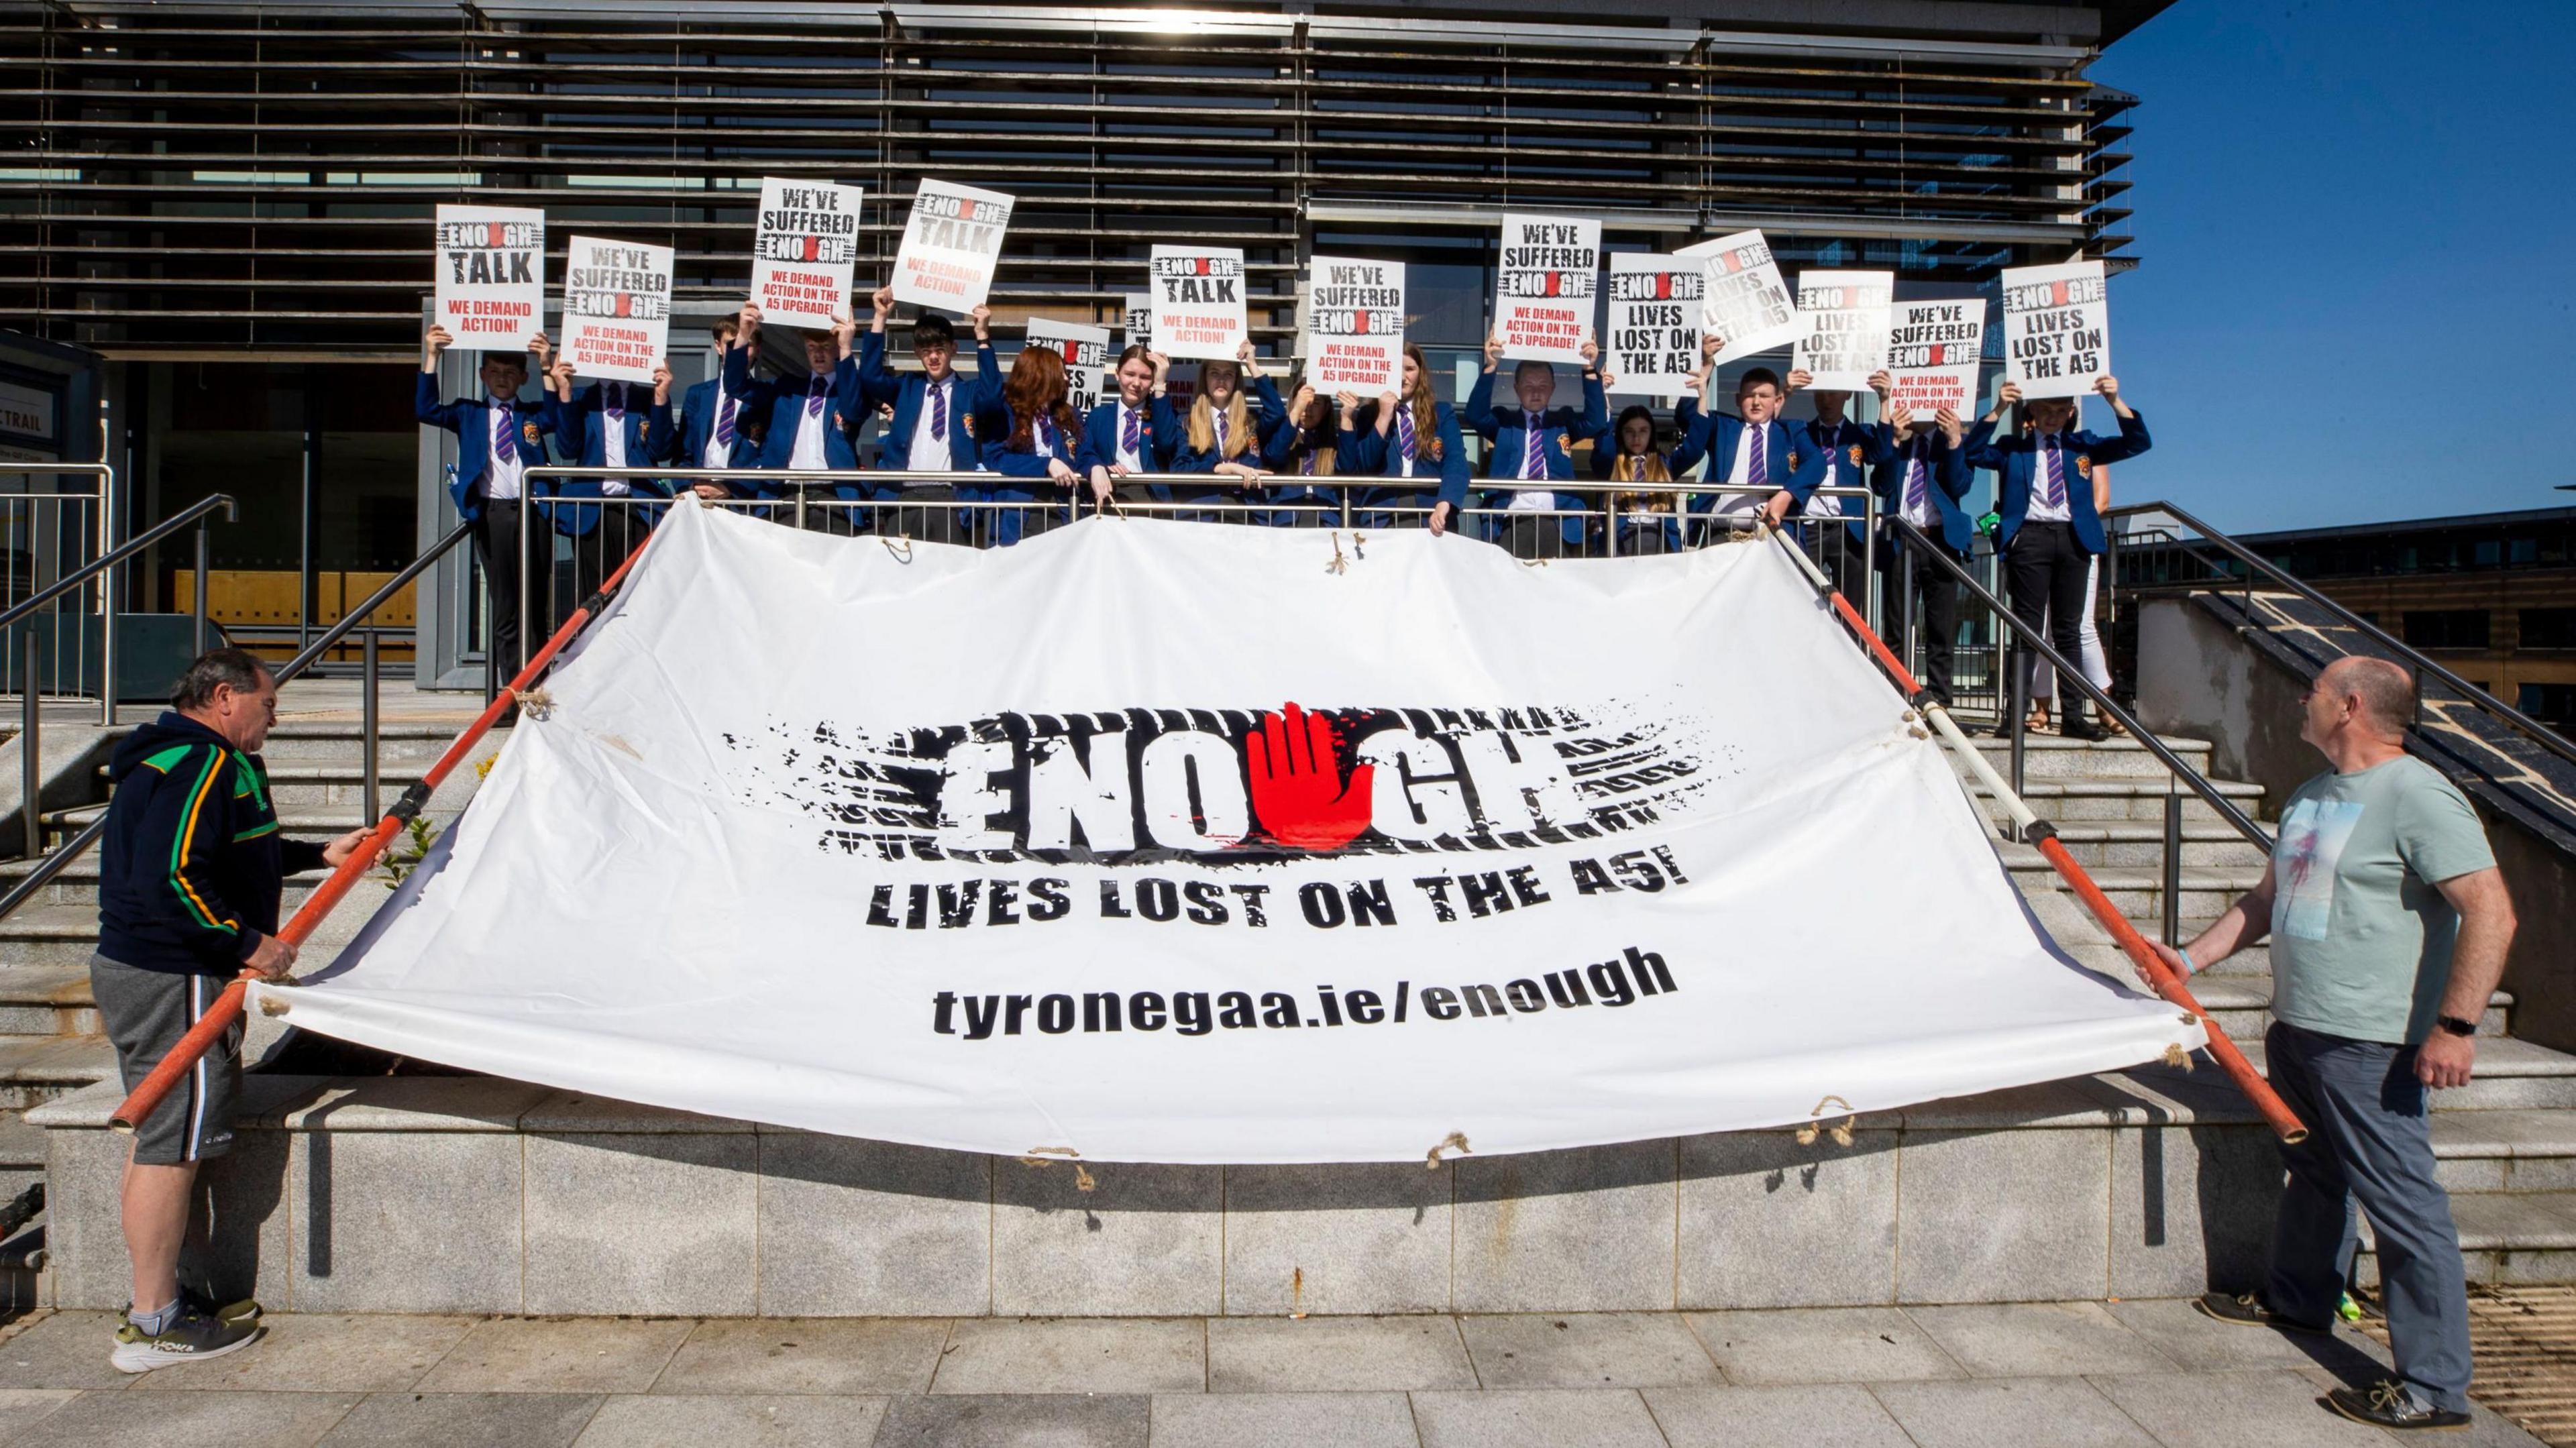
x=2034, y=830
x=227, y=1008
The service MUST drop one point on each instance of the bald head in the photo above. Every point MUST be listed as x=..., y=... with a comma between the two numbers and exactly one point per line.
x=2386, y=691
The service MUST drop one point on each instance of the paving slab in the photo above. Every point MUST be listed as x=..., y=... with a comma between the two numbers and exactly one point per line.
x=189, y=1420
x=2038, y=1339
x=806, y=1355
x=659, y=1420
x=66, y=1350
x=2277, y=1409
x=449, y=1420
x=1284, y=1420
x=23, y=1408
x=1336, y=1355
x=1558, y=1418
x=578, y=1355
x=1586, y=1350
x=2197, y=1342
x=1016, y=1420
x=1075, y=1355
x=2011, y=1413
x=323, y=1353
x=1822, y=1345
x=1825, y=1415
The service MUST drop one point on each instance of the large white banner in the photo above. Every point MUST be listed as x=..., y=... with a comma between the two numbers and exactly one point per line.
x=1199, y=309
x=1651, y=345
x=1846, y=315
x=1086, y=359
x=1744, y=303
x=1933, y=354
x=805, y=251
x=2057, y=328
x=1355, y=325
x=1544, y=280
x=952, y=242
x=616, y=308
x=1218, y=864
x=490, y=292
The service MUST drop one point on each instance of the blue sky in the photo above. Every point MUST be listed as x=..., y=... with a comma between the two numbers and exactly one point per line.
x=2336, y=202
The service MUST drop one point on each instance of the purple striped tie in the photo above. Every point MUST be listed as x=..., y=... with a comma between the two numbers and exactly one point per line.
x=1533, y=462
x=1133, y=439
x=724, y=423
x=1220, y=434
x=505, y=433
x=616, y=405
x=2054, y=494
x=1404, y=430
x=814, y=397
x=938, y=412
x=1757, y=468
x=1918, y=483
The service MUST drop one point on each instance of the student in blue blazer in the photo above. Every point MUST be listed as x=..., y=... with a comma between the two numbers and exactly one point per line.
x=499, y=437
x=2051, y=522
x=719, y=425
x=1751, y=447
x=1534, y=443
x=1135, y=432
x=1648, y=518
x=1235, y=414
x=1845, y=450
x=1412, y=439
x=1033, y=450
x=1922, y=477
x=1303, y=458
x=937, y=412
x=813, y=423
x=607, y=424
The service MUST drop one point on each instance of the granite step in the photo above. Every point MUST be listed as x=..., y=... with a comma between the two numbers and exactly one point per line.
x=35, y=1070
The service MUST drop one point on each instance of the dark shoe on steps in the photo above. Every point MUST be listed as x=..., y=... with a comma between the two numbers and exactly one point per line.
x=2389, y=1404
x=2081, y=728
x=2246, y=1309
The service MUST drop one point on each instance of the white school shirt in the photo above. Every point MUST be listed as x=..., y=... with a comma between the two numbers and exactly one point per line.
x=1531, y=500
x=1820, y=506
x=2039, y=511
x=1927, y=514
x=1129, y=458
x=1736, y=470
x=720, y=454
x=612, y=440
x=930, y=454
x=501, y=478
x=808, y=454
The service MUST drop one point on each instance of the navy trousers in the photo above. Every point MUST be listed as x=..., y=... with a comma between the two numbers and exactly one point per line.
x=2368, y=1143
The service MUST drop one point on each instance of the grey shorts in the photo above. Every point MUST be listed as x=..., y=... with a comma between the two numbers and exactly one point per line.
x=146, y=1012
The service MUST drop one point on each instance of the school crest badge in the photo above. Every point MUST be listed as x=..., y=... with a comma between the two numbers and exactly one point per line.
x=2083, y=465
x=1855, y=454
x=967, y=421
x=528, y=430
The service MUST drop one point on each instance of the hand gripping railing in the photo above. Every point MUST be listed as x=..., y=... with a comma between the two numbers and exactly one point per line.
x=2037, y=831
x=227, y=1008
x=2539, y=733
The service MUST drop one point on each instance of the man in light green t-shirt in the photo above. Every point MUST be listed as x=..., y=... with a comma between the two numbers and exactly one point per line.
x=2389, y=924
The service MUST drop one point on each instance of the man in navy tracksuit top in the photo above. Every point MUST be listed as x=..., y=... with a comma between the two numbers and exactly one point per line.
x=189, y=879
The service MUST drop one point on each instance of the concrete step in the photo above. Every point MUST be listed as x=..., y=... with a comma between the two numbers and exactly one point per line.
x=2511, y=1075
x=35, y=1070
x=48, y=1000
x=332, y=787
x=2086, y=800
x=2046, y=756
x=2506, y=1151
x=2242, y=1006
x=2140, y=844
x=2139, y=894
x=62, y=934
x=2509, y=1238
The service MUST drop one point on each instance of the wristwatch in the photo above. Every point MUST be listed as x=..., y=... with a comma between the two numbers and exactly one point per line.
x=2456, y=1026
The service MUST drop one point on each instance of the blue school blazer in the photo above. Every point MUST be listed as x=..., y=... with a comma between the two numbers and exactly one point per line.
x=2017, y=459
x=471, y=420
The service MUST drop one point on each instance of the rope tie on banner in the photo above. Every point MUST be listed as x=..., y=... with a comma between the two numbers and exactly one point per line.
x=1455, y=1141
x=1340, y=565
x=1043, y=1156
x=1840, y=1131
x=902, y=555
x=534, y=703
x=2175, y=1055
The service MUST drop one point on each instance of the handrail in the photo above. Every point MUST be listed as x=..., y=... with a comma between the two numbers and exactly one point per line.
x=110, y=559
x=374, y=601
x=2540, y=734
x=2040, y=833
x=2069, y=673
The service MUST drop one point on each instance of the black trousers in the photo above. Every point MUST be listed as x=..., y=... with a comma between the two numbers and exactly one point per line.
x=2045, y=569
x=1938, y=633
x=496, y=543
x=926, y=511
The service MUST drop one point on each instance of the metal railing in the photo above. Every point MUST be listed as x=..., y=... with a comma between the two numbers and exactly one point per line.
x=2281, y=580
x=45, y=537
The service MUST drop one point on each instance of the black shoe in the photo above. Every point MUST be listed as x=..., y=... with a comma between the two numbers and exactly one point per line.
x=2388, y=1404
x=2081, y=728
x=2247, y=1310
x=193, y=1336
x=2003, y=730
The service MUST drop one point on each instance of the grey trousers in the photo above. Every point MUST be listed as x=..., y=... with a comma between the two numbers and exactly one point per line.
x=2367, y=1142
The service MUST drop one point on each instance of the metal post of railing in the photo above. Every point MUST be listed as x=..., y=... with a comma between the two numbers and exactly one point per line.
x=1905, y=611
x=1869, y=563
x=31, y=749
x=529, y=513
x=106, y=583
x=198, y=604
x=2173, y=869
x=367, y=721
x=2017, y=700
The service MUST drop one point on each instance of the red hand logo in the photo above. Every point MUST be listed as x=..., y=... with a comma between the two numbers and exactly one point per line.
x=1297, y=787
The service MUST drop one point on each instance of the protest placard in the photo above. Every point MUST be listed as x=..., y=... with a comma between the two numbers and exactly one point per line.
x=1198, y=301
x=1651, y=344
x=1544, y=283
x=1355, y=325
x=1932, y=355
x=616, y=308
x=1846, y=315
x=950, y=246
x=1086, y=359
x=1743, y=301
x=804, y=252
x=1136, y=321
x=491, y=285
x=2057, y=328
